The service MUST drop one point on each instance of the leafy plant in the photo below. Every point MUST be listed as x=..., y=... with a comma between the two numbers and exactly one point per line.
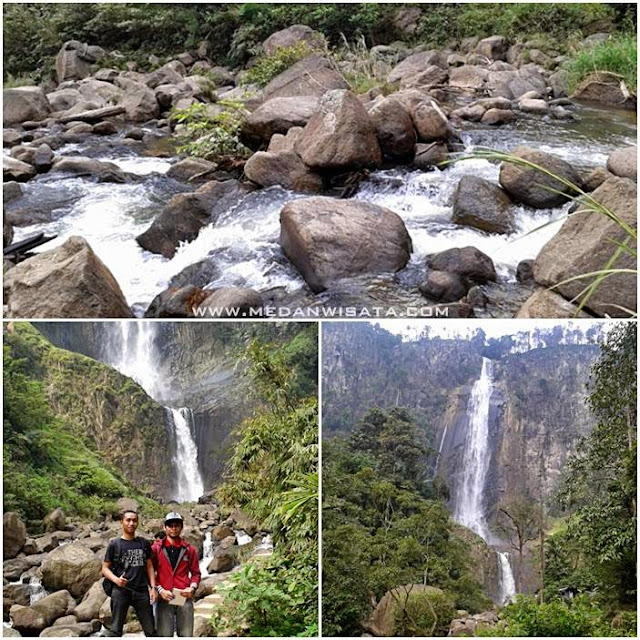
x=212, y=132
x=617, y=55
x=268, y=67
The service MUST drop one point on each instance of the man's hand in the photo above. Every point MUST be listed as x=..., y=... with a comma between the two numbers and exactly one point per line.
x=187, y=593
x=121, y=582
x=167, y=595
x=153, y=596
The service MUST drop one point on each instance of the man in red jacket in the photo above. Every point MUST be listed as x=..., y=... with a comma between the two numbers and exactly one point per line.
x=177, y=572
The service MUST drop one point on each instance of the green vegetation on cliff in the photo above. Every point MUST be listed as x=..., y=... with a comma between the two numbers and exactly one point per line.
x=273, y=476
x=50, y=459
x=385, y=526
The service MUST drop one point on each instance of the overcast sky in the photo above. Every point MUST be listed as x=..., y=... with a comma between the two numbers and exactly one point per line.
x=493, y=328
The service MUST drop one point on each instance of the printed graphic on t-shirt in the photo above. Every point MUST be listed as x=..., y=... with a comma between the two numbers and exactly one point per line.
x=132, y=558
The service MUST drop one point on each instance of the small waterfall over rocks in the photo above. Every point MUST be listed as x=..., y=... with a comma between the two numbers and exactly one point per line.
x=470, y=509
x=134, y=353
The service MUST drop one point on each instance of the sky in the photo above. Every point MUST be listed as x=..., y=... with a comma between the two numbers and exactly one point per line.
x=493, y=328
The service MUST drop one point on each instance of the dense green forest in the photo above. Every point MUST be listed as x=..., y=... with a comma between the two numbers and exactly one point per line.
x=273, y=476
x=34, y=32
x=385, y=524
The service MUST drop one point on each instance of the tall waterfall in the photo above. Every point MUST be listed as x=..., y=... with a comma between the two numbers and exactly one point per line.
x=189, y=484
x=470, y=508
x=135, y=355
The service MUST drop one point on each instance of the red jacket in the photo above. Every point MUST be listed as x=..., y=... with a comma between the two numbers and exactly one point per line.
x=187, y=571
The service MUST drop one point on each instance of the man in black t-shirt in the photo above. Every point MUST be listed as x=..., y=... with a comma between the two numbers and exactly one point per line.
x=127, y=563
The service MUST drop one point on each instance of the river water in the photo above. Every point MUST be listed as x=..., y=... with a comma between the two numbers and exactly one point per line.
x=244, y=241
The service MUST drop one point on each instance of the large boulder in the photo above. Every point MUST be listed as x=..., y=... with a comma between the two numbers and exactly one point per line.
x=605, y=88
x=195, y=170
x=232, y=302
x=24, y=103
x=479, y=203
x=64, y=99
x=328, y=239
x=468, y=77
x=311, y=76
x=140, y=103
x=278, y=115
x=83, y=166
x=533, y=187
x=291, y=36
x=340, y=135
x=624, y=163
x=394, y=127
x=285, y=169
x=89, y=608
x=494, y=48
x=586, y=243
x=467, y=262
x=74, y=60
x=414, y=602
x=67, y=282
x=167, y=74
x=415, y=64
x=430, y=121
x=72, y=567
x=441, y=286
x=186, y=213
x=548, y=304
x=55, y=521
x=14, y=169
x=14, y=535
x=30, y=621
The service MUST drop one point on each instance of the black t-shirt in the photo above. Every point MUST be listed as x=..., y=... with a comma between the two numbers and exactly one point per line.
x=132, y=561
x=173, y=553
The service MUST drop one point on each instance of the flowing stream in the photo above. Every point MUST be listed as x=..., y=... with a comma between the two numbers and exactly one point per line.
x=243, y=243
x=470, y=508
x=134, y=353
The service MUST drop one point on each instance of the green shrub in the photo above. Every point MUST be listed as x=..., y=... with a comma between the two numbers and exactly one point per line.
x=213, y=132
x=268, y=67
x=423, y=613
x=578, y=617
x=619, y=55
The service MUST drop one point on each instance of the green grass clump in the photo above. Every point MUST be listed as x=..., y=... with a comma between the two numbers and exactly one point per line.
x=618, y=55
x=268, y=67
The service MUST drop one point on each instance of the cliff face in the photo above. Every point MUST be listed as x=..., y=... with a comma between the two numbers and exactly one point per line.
x=537, y=409
x=107, y=411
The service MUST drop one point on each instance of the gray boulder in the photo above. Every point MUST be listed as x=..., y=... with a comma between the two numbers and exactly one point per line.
x=64, y=99
x=497, y=117
x=72, y=567
x=166, y=74
x=89, y=608
x=416, y=64
x=533, y=187
x=285, y=169
x=194, y=170
x=340, y=135
x=186, y=213
x=479, y=203
x=328, y=239
x=586, y=243
x=55, y=521
x=468, y=77
x=233, y=302
x=13, y=169
x=67, y=282
x=430, y=155
x=312, y=76
x=467, y=262
x=548, y=304
x=624, y=163
x=494, y=48
x=14, y=535
x=21, y=104
x=291, y=36
x=441, y=286
x=278, y=115
x=74, y=60
x=30, y=621
x=395, y=130
x=430, y=122
x=140, y=103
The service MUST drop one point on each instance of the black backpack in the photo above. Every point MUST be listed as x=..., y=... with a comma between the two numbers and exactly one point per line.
x=107, y=585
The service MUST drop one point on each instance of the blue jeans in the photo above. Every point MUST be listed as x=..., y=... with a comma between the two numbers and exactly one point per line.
x=170, y=618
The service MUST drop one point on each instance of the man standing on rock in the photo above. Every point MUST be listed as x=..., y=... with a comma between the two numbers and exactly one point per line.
x=178, y=574
x=127, y=564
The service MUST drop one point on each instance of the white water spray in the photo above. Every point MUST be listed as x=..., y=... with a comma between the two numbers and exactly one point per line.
x=470, y=508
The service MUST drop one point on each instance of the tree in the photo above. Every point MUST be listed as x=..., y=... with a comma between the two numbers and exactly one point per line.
x=601, y=482
x=519, y=519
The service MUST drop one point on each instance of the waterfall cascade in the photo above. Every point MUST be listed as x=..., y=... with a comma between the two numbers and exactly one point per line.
x=135, y=356
x=469, y=506
x=36, y=590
